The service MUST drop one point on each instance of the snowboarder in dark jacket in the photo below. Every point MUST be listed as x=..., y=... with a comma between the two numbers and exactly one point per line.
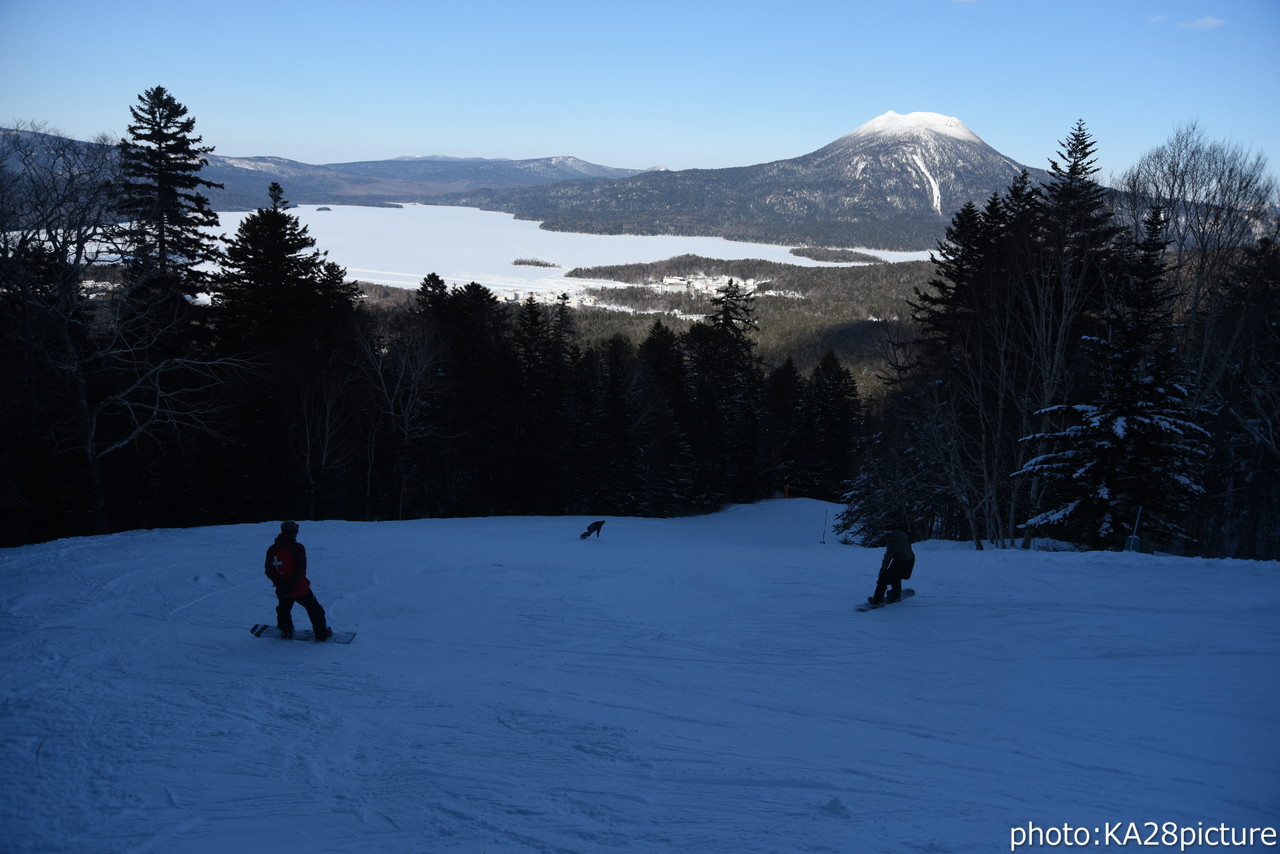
x=593, y=528
x=286, y=566
x=899, y=561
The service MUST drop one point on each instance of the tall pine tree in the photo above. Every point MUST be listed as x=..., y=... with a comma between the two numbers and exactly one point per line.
x=726, y=382
x=278, y=292
x=833, y=426
x=1134, y=450
x=163, y=203
x=661, y=375
x=280, y=303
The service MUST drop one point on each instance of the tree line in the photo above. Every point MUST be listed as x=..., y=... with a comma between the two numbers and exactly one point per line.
x=1083, y=365
x=136, y=403
x=1098, y=368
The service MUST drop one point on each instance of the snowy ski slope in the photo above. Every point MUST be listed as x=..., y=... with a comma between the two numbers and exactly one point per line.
x=677, y=685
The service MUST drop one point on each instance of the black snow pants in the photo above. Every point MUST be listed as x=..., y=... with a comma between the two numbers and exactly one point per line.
x=284, y=612
x=891, y=577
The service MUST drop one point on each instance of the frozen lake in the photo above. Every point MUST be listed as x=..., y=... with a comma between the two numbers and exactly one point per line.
x=399, y=246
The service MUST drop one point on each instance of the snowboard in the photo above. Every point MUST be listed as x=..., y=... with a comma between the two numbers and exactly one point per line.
x=907, y=593
x=262, y=630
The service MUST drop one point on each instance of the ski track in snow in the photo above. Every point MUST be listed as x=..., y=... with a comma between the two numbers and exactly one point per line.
x=675, y=685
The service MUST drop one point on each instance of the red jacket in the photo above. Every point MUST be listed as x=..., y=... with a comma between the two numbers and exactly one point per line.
x=286, y=566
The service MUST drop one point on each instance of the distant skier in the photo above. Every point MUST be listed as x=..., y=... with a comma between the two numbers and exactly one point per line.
x=899, y=561
x=286, y=566
x=593, y=528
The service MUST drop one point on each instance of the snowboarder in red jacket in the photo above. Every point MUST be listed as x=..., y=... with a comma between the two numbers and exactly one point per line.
x=286, y=566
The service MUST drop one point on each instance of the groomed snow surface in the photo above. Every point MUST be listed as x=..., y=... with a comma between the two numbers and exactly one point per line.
x=676, y=685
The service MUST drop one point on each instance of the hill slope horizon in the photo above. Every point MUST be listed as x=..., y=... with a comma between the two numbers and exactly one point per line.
x=892, y=183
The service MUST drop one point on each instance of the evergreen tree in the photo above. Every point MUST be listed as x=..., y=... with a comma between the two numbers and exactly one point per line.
x=162, y=200
x=662, y=363
x=1077, y=259
x=1074, y=265
x=960, y=262
x=610, y=451
x=661, y=376
x=963, y=375
x=482, y=393
x=733, y=321
x=726, y=386
x=167, y=258
x=833, y=424
x=784, y=427
x=280, y=303
x=1021, y=281
x=1134, y=448
x=276, y=291
x=430, y=299
x=541, y=432
x=1078, y=218
x=894, y=486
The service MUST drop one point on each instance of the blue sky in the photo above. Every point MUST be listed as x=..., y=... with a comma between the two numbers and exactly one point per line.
x=680, y=84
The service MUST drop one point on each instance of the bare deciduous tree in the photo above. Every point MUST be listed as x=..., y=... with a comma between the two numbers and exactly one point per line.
x=402, y=363
x=108, y=388
x=1218, y=199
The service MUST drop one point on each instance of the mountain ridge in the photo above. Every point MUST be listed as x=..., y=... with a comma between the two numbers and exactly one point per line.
x=385, y=182
x=892, y=183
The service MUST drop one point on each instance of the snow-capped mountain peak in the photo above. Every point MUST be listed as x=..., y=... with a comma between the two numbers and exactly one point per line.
x=912, y=165
x=910, y=124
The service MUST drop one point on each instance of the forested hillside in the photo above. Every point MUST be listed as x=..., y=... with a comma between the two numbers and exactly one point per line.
x=802, y=312
x=1078, y=363
x=892, y=184
x=1097, y=367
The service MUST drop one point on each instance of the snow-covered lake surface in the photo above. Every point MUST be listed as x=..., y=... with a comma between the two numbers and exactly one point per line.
x=676, y=685
x=399, y=246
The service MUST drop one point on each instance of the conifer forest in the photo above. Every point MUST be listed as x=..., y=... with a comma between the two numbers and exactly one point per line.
x=1096, y=367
